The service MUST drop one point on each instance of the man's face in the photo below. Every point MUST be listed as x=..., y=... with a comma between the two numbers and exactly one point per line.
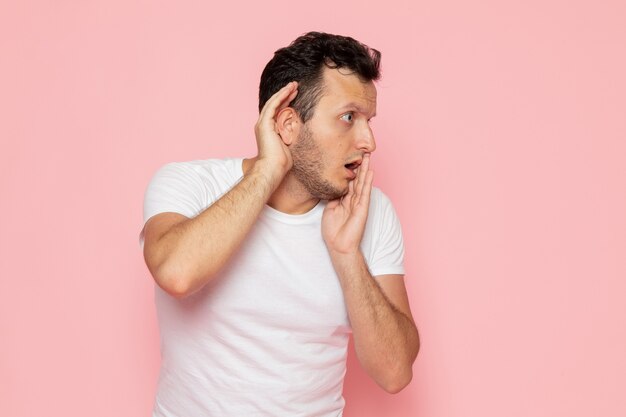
x=330, y=146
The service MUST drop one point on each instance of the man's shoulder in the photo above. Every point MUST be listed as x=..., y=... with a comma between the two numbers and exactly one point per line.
x=225, y=168
x=382, y=213
x=382, y=241
x=189, y=187
x=379, y=202
x=378, y=195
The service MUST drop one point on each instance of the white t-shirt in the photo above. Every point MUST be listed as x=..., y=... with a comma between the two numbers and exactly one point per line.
x=269, y=335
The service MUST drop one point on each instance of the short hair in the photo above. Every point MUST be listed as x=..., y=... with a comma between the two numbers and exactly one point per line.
x=304, y=60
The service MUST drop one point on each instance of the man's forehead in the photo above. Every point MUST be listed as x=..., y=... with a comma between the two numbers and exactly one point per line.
x=345, y=88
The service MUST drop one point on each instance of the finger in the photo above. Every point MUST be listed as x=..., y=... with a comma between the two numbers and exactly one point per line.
x=286, y=93
x=363, y=170
x=364, y=199
x=347, y=198
x=289, y=99
x=281, y=98
x=359, y=178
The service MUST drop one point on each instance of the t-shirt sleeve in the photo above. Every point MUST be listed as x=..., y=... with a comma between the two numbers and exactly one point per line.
x=176, y=188
x=386, y=248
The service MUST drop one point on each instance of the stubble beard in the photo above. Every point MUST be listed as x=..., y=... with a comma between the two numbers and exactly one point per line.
x=308, y=168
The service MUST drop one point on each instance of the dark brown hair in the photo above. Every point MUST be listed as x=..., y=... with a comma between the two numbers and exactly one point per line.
x=304, y=60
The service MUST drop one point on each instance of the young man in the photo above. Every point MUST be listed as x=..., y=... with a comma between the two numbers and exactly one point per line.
x=265, y=265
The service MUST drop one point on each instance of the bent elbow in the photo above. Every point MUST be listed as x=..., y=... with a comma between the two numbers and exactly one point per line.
x=181, y=281
x=176, y=289
x=398, y=383
x=172, y=282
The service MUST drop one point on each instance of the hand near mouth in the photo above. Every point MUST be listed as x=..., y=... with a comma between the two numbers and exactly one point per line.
x=344, y=219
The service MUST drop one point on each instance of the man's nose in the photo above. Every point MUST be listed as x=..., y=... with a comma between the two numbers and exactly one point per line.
x=366, y=141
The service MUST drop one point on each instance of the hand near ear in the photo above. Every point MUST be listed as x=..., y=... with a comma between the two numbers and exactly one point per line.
x=273, y=150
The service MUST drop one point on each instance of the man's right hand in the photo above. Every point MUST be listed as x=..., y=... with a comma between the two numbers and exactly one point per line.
x=274, y=155
x=184, y=254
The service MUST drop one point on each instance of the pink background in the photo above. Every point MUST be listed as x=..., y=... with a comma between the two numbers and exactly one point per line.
x=501, y=140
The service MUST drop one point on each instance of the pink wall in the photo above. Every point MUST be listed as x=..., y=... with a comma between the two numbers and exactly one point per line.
x=502, y=142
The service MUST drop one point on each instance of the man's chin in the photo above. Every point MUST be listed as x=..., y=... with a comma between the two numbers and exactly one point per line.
x=333, y=194
x=319, y=188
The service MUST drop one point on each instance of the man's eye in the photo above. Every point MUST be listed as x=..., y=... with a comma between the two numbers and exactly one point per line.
x=347, y=117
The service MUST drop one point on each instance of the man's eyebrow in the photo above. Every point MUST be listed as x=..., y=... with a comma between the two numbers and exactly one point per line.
x=355, y=106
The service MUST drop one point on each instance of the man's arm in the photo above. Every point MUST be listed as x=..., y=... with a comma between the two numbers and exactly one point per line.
x=386, y=340
x=385, y=337
x=183, y=254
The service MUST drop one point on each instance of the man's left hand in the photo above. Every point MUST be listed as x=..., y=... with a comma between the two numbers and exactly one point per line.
x=344, y=219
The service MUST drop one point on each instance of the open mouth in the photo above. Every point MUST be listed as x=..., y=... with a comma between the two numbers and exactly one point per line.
x=353, y=165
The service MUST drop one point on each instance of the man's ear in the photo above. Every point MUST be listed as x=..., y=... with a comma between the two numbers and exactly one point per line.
x=288, y=125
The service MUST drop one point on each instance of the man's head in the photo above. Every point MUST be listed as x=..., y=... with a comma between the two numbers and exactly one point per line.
x=327, y=125
x=304, y=61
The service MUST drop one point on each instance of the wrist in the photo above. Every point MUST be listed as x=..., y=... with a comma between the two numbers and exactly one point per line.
x=271, y=172
x=346, y=258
